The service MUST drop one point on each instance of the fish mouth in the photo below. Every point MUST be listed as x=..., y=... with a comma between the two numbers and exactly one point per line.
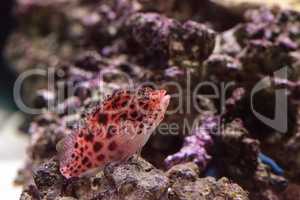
x=165, y=100
x=162, y=92
x=162, y=97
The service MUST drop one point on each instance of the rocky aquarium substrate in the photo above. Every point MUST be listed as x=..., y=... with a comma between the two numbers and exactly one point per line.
x=229, y=154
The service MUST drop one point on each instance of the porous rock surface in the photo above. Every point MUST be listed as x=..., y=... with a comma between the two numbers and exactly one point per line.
x=133, y=180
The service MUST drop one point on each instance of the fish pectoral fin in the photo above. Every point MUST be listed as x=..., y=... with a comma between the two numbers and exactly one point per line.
x=91, y=172
x=139, y=152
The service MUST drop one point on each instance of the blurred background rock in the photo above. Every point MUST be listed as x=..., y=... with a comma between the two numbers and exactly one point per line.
x=12, y=143
x=46, y=32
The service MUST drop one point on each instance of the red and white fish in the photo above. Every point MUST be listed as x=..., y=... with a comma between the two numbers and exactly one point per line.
x=113, y=131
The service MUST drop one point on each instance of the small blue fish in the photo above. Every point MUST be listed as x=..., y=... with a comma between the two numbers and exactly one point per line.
x=212, y=171
x=270, y=162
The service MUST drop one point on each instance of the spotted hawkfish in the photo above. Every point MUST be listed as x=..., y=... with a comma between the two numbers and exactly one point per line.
x=113, y=131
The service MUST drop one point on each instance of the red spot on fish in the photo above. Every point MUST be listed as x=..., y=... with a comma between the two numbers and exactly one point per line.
x=102, y=118
x=100, y=157
x=112, y=146
x=97, y=146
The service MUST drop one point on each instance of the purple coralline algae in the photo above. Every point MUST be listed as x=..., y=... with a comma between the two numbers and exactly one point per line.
x=186, y=44
x=196, y=147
